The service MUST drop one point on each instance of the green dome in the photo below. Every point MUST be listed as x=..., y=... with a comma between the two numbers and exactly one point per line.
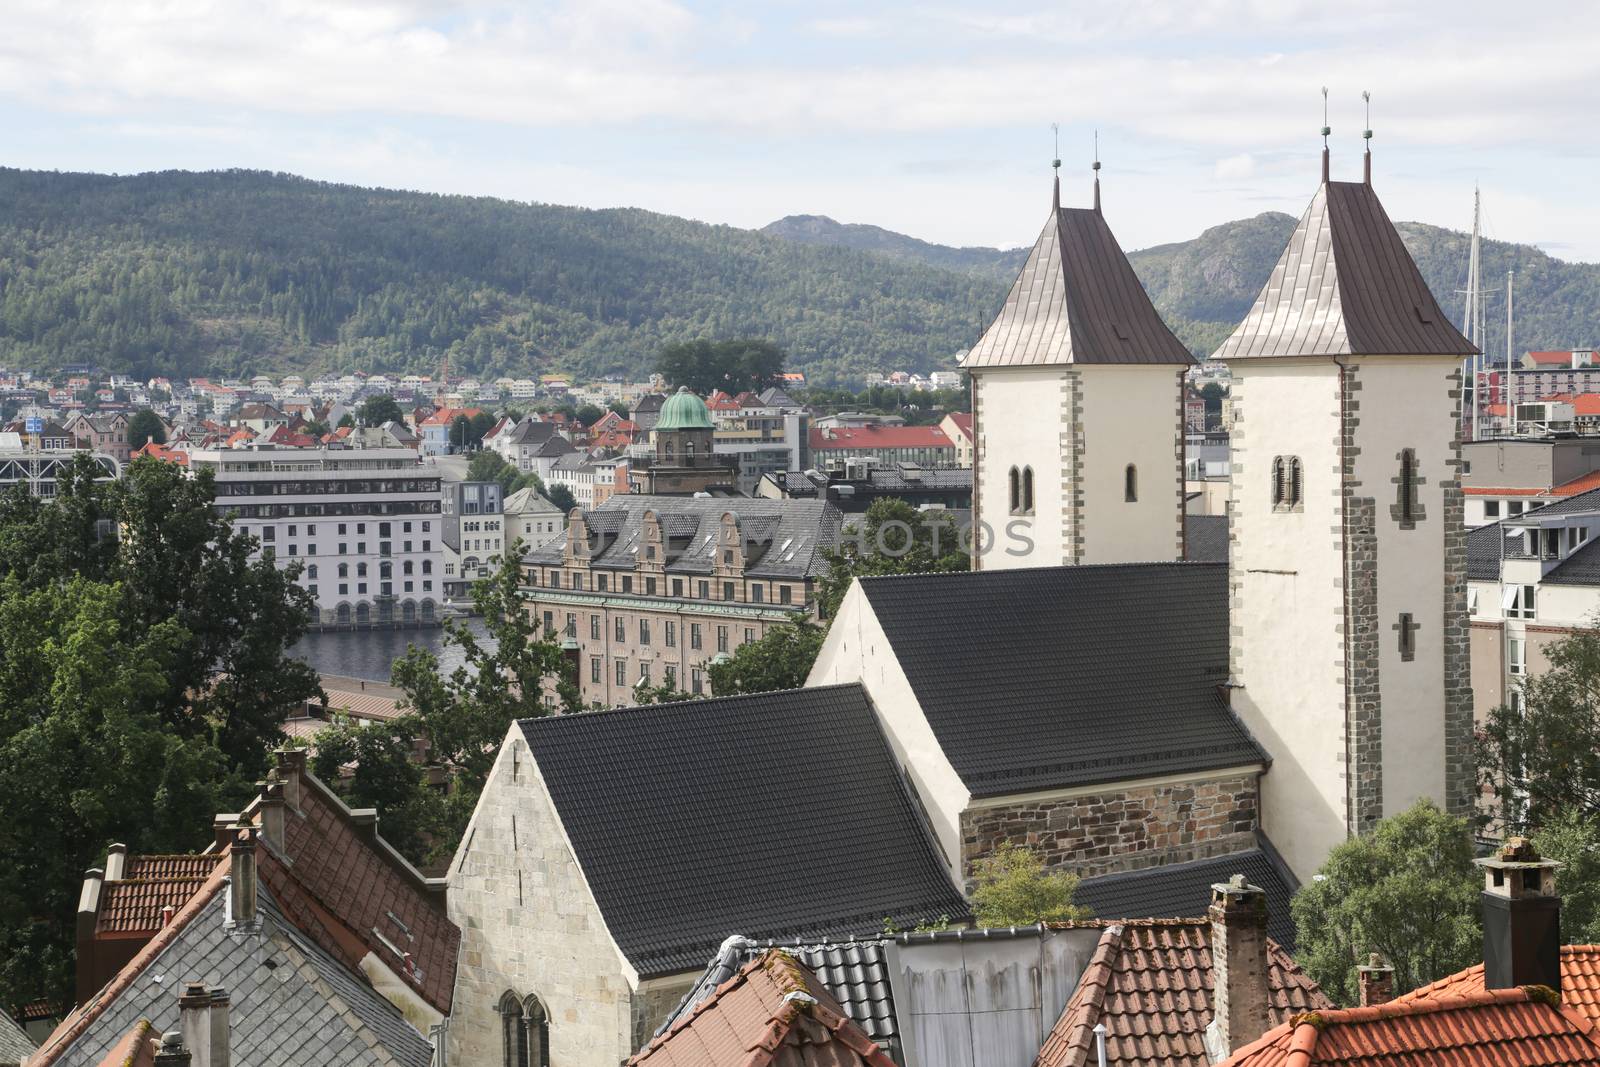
x=684, y=411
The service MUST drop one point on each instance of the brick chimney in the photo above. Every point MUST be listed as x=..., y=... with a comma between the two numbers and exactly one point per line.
x=1376, y=979
x=1239, y=1014
x=203, y=1020
x=1521, y=918
x=242, y=876
x=171, y=1051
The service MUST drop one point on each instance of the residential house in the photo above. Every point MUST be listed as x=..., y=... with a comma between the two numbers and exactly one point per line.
x=533, y=518
x=435, y=430
x=107, y=434
x=958, y=427
x=926, y=446
x=611, y=853
x=653, y=588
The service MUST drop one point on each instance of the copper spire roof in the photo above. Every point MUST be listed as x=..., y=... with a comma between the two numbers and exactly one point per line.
x=1345, y=286
x=1077, y=300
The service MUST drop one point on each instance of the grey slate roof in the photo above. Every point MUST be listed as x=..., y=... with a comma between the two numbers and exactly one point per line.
x=784, y=538
x=1044, y=677
x=1345, y=285
x=1205, y=538
x=1576, y=504
x=1484, y=552
x=14, y=1041
x=291, y=1003
x=778, y=815
x=1077, y=300
x=1580, y=568
x=1183, y=890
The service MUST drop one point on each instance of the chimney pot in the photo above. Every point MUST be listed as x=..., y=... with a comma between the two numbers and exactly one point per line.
x=171, y=1051
x=271, y=808
x=1241, y=999
x=1376, y=979
x=242, y=872
x=203, y=1018
x=1521, y=918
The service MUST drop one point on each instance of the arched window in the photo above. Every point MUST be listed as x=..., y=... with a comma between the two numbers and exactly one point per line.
x=427, y=566
x=1130, y=484
x=311, y=572
x=344, y=570
x=525, y=1031
x=1016, y=491
x=1280, y=481
x=1296, y=496
x=361, y=570
x=1408, y=485
x=1027, y=490
x=406, y=566
x=386, y=570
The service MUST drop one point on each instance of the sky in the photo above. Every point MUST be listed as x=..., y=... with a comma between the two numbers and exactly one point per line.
x=933, y=119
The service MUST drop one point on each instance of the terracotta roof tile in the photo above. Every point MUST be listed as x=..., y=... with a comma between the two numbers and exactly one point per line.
x=879, y=437
x=133, y=905
x=137, y=1049
x=773, y=1011
x=1149, y=981
x=1580, y=982
x=1496, y=1028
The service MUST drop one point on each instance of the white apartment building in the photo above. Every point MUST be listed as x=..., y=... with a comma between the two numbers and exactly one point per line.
x=473, y=526
x=366, y=524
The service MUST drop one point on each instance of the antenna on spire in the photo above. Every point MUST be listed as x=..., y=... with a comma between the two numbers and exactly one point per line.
x=1055, y=164
x=1326, y=129
x=1366, y=135
x=1097, y=171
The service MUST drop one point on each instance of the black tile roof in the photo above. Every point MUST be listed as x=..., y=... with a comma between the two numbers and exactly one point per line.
x=1484, y=552
x=1577, y=503
x=1043, y=677
x=775, y=815
x=1580, y=568
x=1205, y=538
x=1183, y=890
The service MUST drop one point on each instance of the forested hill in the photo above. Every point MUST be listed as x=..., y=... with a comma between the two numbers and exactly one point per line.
x=1205, y=285
x=185, y=273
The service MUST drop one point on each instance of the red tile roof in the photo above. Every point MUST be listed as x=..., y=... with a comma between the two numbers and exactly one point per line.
x=774, y=1011
x=962, y=420
x=133, y=906
x=162, y=452
x=1149, y=982
x=136, y=1049
x=1497, y=1028
x=879, y=437
x=1546, y=359
x=1580, y=981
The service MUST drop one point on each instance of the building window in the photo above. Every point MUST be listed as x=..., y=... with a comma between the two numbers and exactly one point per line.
x=622, y=672
x=722, y=639
x=1491, y=509
x=670, y=677
x=697, y=683
x=1519, y=601
x=677, y=587
x=727, y=590
x=1514, y=508
x=670, y=633
x=621, y=629
x=644, y=674
x=650, y=587
x=344, y=570
x=600, y=582
x=1015, y=479
x=757, y=593
x=1407, y=630
x=1407, y=510
x=783, y=594
x=427, y=566
x=572, y=624
x=694, y=637
x=1027, y=490
x=311, y=572
x=627, y=583
x=1130, y=484
x=644, y=631
x=594, y=627
x=1516, y=656
x=526, y=1029
x=594, y=668
x=749, y=634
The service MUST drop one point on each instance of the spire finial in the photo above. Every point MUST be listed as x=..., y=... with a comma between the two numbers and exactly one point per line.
x=1366, y=135
x=1097, y=171
x=1055, y=165
x=1326, y=129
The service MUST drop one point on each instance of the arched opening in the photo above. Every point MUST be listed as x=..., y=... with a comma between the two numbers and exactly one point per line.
x=342, y=613
x=1295, y=481
x=1130, y=484
x=1016, y=491
x=1027, y=490
x=408, y=610
x=429, y=610
x=525, y=1031
x=363, y=613
x=1280, y=482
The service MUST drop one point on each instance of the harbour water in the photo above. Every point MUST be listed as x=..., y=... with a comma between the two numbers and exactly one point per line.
x=370, y=654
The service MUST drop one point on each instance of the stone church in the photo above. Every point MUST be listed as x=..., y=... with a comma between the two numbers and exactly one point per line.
x=1152, y=724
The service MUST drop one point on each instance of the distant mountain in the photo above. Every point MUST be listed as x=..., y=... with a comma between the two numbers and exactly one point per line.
x=821, y=230
x=1205, y=285
x=218, y=273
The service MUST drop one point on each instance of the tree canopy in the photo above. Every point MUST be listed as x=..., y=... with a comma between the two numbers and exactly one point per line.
x=487, y=466
x=144, y=678
x=144, y=426
x=1013, y=889
x=377, y=410
x=891, y=537
x=1407, y=890
x=732, y=366
x=780, y=659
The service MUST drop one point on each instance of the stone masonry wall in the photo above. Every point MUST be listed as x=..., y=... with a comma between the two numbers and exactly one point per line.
x=1362, y=628
x=529, y=926
x=1460, y=774
x=1121, y=830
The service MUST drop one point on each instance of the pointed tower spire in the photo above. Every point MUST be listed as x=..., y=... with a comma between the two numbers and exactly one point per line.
x=1326, y=129
x=1055, y=165
x=1366, y=135
x=1097, y=172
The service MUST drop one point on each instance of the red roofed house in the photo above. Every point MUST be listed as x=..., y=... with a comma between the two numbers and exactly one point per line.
x=774, y=1011
x=928, y=446
x=958, y=427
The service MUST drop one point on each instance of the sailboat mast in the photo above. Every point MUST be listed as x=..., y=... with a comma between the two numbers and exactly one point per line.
x=1471, y=320
x=1511, y=373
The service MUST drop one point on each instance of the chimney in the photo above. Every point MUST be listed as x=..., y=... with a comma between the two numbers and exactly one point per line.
x=87, y=975
x=291, y=766
x=271, y=809
x=1238, y=916
x=171, y=1051
x=1521, y=918
x=116, y=862
x=242, y=872
x=1376, y=979
x=203, y=1020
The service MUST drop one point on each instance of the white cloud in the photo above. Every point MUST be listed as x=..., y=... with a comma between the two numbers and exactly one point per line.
x=1236, y=167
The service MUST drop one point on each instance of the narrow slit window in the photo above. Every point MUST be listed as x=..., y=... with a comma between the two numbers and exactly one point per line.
x=1130, y=484
x=1016, y=491
x=1027, y=490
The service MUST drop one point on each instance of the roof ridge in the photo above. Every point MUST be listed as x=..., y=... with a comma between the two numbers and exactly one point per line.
x=1394, y=1009
x=1147, y=565
x=677, y=704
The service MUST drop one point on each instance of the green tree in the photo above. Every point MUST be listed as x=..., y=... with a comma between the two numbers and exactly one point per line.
x=477, y=426
x=891, y=537
x=1013, y=889
x=589, y=414
x=780, y=659
x=1572, y=838
x=146, y=425
x=318, y=428
x=386, y=776
x=732, y=366
x=463, y=716
x=1547, y=757
x=1408, y=890
x=487, y=466
x=619, y=407
x=377, y=410
x=346, y=421
x=561, y=497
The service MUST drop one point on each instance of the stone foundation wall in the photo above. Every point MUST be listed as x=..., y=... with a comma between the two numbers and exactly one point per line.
x=1121, y=830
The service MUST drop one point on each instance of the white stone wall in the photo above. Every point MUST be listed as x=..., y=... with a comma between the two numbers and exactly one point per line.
x=1019, y=420
x=1287, y=614
x=529, y=924
x=857, y=650
x=1132, y=414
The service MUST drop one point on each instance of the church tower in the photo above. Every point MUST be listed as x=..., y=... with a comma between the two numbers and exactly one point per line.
x=1347, y=561
x=1077, y=409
